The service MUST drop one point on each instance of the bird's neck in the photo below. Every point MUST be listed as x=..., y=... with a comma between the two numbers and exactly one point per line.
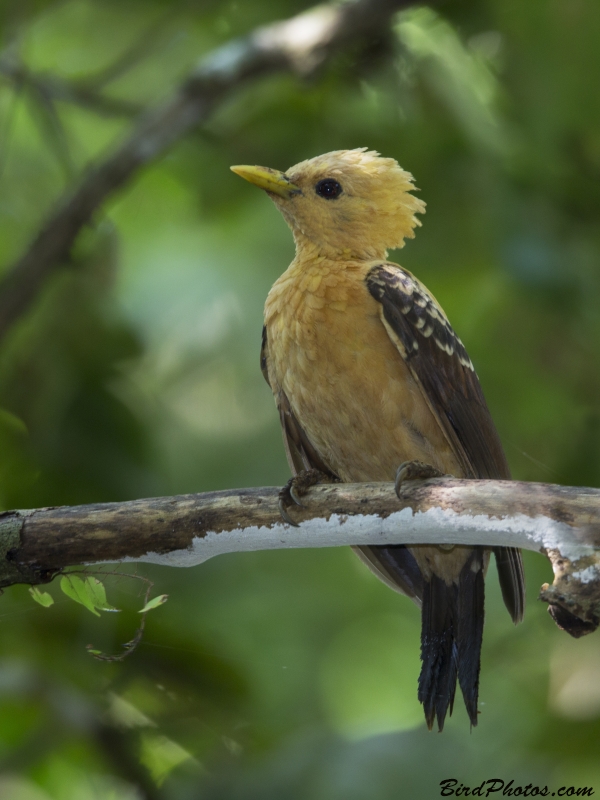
x=309, y=249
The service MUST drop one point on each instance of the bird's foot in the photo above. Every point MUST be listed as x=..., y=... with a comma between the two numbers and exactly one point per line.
x=295, y=488
x=415, y=470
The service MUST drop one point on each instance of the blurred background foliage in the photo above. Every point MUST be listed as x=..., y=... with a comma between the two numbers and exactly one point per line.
x=286, y=674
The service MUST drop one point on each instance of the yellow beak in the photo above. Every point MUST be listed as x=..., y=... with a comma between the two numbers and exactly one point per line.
x=271, y=180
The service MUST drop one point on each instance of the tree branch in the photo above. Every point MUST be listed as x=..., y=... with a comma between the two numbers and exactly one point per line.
x=52, y=88
x=299, y=45
x=561, y=521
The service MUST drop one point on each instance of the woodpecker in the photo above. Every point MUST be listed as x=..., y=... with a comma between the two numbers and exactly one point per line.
x=368, y=377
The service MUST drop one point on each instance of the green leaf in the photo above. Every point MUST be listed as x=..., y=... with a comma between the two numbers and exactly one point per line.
x=97, y=593
x=154, y=603
x=43, y=598
x=89, y=593
x=161, y=755
x=78, y=591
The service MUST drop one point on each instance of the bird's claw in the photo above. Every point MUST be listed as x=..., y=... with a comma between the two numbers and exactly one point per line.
x=294, y=489
x=283, y=506
x=414, y=470
x=294, y=494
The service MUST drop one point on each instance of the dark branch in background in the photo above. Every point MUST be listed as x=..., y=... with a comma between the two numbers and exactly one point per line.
x=299, y=45
x=562, y=522
x=53, y=89
x=86, y=92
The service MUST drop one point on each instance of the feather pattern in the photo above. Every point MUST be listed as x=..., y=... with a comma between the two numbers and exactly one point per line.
x=452, y=615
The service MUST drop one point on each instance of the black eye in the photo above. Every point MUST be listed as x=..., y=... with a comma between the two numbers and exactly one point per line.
x=328, y=188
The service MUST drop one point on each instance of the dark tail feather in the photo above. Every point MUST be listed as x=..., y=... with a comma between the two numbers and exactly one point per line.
x=437, y=681
x=512, y=580
x=470, y=630
x=451, y=635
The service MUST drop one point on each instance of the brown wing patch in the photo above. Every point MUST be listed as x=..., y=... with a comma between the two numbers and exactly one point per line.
x=440, y=364
x=424, y=317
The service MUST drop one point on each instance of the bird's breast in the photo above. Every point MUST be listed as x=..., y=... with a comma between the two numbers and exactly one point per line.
x=349, y=388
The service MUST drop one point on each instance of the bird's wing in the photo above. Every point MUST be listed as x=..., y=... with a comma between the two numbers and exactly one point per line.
x=394, y=565
x=441, y=367
x=300, y=453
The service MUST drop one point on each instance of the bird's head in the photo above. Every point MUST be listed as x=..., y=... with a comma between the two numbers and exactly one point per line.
x=345, y=204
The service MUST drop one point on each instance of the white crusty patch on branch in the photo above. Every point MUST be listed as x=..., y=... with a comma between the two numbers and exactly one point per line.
x=588, y=574
x=433, y=526
x=561, y=521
